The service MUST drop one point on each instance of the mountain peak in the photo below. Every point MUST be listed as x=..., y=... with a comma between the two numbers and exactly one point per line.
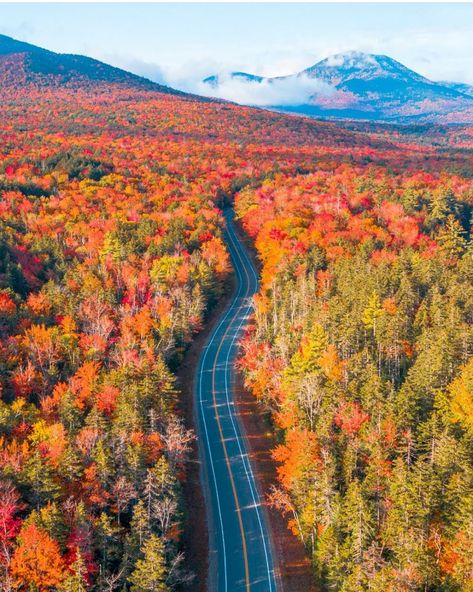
x=341, y=67
x=353, y=59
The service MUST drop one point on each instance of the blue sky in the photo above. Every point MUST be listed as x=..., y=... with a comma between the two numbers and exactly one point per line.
x=180, y=43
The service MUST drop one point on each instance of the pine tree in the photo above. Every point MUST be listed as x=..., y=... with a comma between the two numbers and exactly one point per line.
x=150, y=573
x=358, y=523
x=451, y=238
x=441, y=205
x=372, y=312
x=108, y=542
x=139, y=531
x=40, y=478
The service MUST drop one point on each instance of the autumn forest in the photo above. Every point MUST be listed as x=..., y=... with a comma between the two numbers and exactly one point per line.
x=112, y=261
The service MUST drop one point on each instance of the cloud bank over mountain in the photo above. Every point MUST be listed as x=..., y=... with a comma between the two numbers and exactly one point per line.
x=265, y=92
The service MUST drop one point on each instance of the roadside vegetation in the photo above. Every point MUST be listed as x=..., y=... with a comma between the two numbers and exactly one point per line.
x=361, y=349
x=111, y=253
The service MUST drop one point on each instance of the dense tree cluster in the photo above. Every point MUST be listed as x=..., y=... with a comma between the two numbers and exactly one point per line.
x=111, y=252
x=361, y=349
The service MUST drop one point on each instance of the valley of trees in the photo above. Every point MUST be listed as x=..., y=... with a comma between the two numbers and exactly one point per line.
x=111, y=253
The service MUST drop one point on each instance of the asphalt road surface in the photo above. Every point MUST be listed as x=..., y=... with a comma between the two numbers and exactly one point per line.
x=241, y=558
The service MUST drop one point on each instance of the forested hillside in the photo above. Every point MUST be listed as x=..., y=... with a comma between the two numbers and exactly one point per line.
x=361, y=350
x=111, y=253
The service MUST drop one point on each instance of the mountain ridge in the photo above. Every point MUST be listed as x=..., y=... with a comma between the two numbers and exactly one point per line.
x=371, y=86
x=22, y=62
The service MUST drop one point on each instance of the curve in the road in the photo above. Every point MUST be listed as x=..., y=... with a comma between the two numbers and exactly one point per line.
x=240, y=544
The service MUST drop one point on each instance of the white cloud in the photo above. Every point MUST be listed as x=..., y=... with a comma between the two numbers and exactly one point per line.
x=335, y=60
x=294, y=90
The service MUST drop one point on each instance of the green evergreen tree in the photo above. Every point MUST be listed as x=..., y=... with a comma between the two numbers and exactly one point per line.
x=150, y=572
x=451, y=238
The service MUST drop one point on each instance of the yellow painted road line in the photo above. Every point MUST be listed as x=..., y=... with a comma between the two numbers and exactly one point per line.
x=227, y=459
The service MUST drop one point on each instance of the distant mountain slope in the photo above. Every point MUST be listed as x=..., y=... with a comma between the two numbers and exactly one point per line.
x=23, y=63
x=369, y=86
x=216, y=79
x=466, y=89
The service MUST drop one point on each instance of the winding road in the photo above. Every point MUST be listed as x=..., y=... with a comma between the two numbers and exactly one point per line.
x=241, y=557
